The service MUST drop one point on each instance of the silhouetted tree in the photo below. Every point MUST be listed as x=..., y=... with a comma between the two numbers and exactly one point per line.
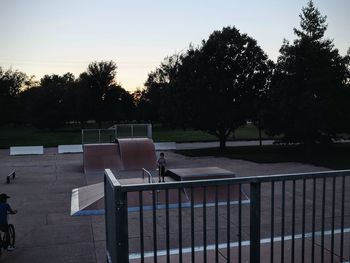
x=11, y=83
x=219, y=83
x=309, y=93
x=101, y=79
x=119, y=105
x=153, y=102
x=46, y=104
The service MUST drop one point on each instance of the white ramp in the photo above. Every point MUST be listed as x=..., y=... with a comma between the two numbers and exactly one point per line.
x=86, y=197
x=26, y=150
x=73, y=148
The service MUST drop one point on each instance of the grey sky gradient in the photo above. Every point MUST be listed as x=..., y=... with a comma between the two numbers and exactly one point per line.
x=45, y=37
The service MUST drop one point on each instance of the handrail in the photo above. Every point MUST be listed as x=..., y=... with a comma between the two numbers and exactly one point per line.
x=150, y=177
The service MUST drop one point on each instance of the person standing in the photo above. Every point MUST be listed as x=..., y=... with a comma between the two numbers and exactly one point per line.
x=161, y=166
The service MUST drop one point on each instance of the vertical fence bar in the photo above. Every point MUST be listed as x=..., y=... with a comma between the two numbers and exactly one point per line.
x=342, y=219
x=216, y=226
x=192, y=227
x=272, y=220
x=283, y=219
x=333, y=218
x=240, y=224
x=154, y=205
x=323, y=217
x=205, y=224
x=121, y=223
x=142, y=246
x=109, y=220
x=255, y=213
x=99, y=136
x=167, y=225
x=303, y=223
x=228, y=224
x=132, y=130
x=293, y=223
x=313, y=220
x=180, y=224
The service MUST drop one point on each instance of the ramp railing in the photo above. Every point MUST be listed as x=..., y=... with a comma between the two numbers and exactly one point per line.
x=89, y=136
x=150, y=176
x=293, y=217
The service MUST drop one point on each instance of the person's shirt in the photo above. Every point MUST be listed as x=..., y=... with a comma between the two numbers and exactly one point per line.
x=161, y=161
x=4, y=208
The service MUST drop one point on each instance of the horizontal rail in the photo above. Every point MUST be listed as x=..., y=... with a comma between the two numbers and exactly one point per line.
x=240, y=180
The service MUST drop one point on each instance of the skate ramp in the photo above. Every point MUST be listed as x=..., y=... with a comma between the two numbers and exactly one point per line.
x=126, y=154
x=138, y=153
x=98, y=157
x=86, y=199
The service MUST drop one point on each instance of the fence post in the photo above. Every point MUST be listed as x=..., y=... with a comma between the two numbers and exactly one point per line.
x=116, y=218
x=121, y=216
x=149, y=131
x=255, y=213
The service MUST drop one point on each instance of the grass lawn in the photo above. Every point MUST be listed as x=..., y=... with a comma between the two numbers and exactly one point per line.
x=25, y=136
x=335, y=156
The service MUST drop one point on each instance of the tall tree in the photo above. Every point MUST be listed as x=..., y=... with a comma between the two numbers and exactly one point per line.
x=153, y=101
x=101, y=79
x=309, y=85
x=11, y=84
x=46, y=103
x=219, y=81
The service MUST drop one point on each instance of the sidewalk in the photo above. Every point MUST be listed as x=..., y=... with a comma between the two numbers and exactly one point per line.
x=202, y=145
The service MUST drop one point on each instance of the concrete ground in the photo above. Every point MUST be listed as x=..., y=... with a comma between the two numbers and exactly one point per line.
x=41, y=192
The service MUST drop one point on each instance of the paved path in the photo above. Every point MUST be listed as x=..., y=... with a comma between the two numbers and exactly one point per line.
x=201, y=145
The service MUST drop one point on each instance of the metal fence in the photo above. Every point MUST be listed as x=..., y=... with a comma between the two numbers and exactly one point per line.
x=294, y=217
x=89, y=136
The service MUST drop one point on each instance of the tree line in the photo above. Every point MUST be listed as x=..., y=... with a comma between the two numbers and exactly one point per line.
x=214, y=87
x=56, y=100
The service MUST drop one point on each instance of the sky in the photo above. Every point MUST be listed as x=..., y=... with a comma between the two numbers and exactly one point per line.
x=42, y=37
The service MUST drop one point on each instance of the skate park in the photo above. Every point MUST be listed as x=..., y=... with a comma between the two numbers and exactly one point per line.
x=134, y=161
x=44, y=184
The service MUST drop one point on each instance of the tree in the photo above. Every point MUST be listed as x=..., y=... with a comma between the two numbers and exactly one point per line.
x=219, y=81
x=101, y=78
x=153, y=103
x=309, y=87
x=11, y=83
x=119, y=105
x=46, y=105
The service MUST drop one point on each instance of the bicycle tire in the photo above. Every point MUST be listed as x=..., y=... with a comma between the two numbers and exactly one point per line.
x=12, y=234
x=2, y=242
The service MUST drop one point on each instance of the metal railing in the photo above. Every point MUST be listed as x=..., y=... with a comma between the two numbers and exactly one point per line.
x=149, y=175
x=299, y=217
x=116, y=131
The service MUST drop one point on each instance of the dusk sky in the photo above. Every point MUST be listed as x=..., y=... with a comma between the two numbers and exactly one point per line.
x=42, y=37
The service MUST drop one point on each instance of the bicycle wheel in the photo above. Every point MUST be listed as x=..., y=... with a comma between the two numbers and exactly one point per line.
x=2, y=242
x=12, y=235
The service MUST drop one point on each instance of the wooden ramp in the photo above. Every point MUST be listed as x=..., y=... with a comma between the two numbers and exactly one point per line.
x=125, y=154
